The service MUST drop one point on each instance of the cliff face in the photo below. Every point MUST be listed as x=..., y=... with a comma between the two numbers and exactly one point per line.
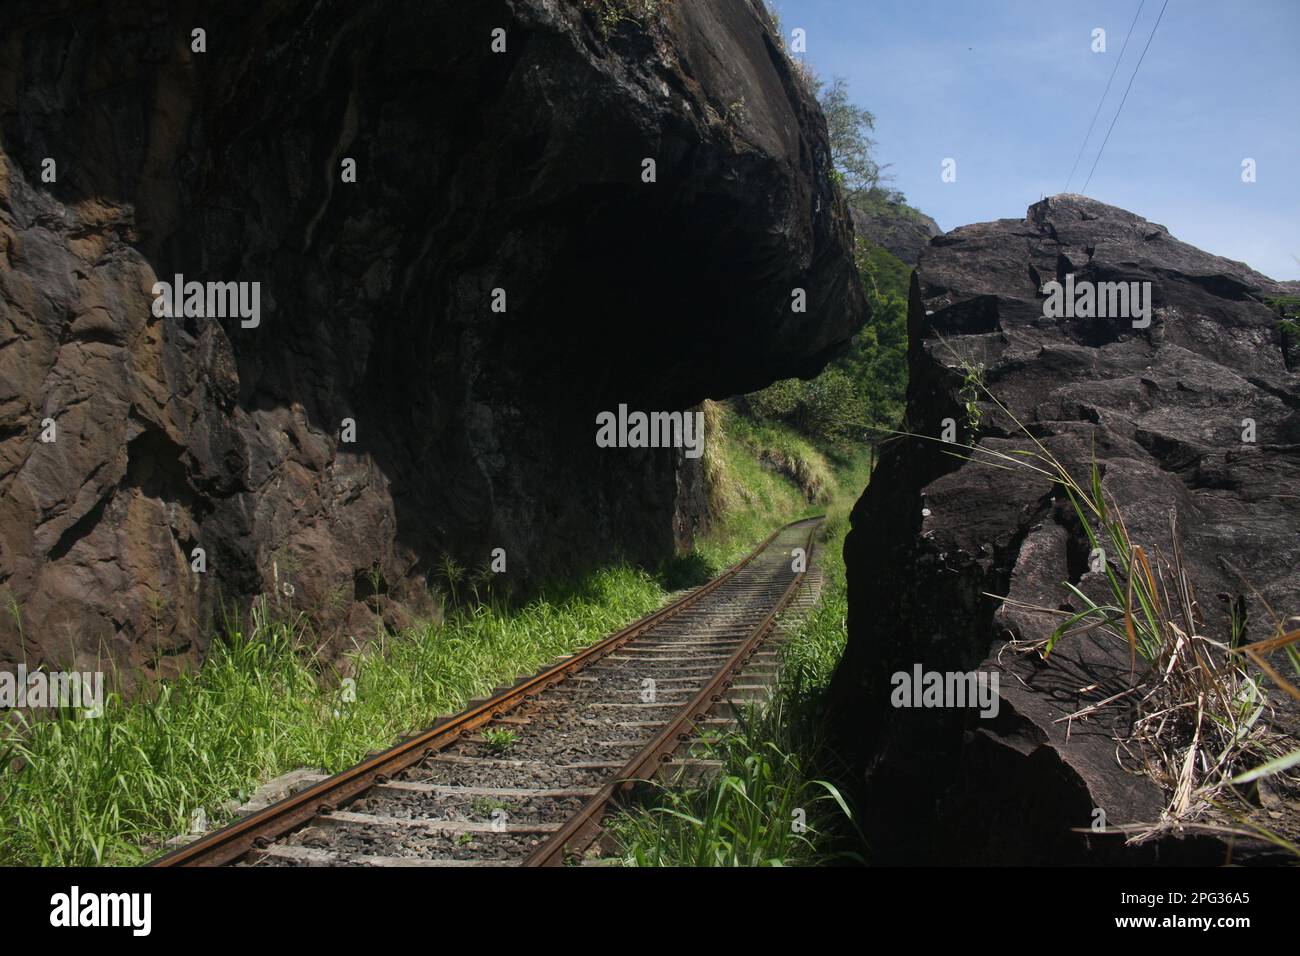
x=896, y=227
x=1163, y=411
x=475, y=171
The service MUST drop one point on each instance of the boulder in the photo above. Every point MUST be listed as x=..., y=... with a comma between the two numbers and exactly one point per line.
x=1193, y=422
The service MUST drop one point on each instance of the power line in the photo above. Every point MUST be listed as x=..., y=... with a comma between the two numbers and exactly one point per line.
x=1097, y=112
x=1125, y=97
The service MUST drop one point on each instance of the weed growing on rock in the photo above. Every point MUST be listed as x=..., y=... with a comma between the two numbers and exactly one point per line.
x=1201, y=722
x=611, y=14
x=971, y=387
x=499, y=740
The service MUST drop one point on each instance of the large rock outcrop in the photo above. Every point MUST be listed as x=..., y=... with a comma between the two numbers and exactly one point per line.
x=937, y=539
x=895, y=227
x=475, y=170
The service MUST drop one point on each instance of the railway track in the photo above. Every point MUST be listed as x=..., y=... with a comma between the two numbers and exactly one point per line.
x=525, y=777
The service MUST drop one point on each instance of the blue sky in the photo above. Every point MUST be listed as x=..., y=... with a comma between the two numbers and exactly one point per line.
x=1007, y=89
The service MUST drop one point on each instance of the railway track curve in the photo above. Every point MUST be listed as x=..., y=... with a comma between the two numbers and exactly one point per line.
x=577, y=736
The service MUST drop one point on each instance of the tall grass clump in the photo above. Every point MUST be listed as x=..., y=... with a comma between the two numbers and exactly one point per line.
x=773, y=801
x=761, y=809
x=109, y=790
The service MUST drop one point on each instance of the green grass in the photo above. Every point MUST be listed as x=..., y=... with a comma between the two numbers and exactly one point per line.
x=779, y=449
x=1288, y=324
x=882, y=272
x=887, y=202
x=763, y=474
x=613, y=13
x=1285, y=304
x=499, y=740
x=762, y=810
x=78, y=791
x=773, y=802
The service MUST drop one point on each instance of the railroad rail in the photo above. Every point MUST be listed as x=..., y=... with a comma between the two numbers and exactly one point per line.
x=562, y=745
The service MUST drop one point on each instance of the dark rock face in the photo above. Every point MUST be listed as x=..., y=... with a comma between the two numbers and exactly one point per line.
x=475, y=171
x=1161, y=408
x=899, y=229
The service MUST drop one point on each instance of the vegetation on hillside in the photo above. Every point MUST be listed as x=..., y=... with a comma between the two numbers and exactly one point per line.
x=861, y=392
x=611, y=14
x=864, y=181
x=1287, y=308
